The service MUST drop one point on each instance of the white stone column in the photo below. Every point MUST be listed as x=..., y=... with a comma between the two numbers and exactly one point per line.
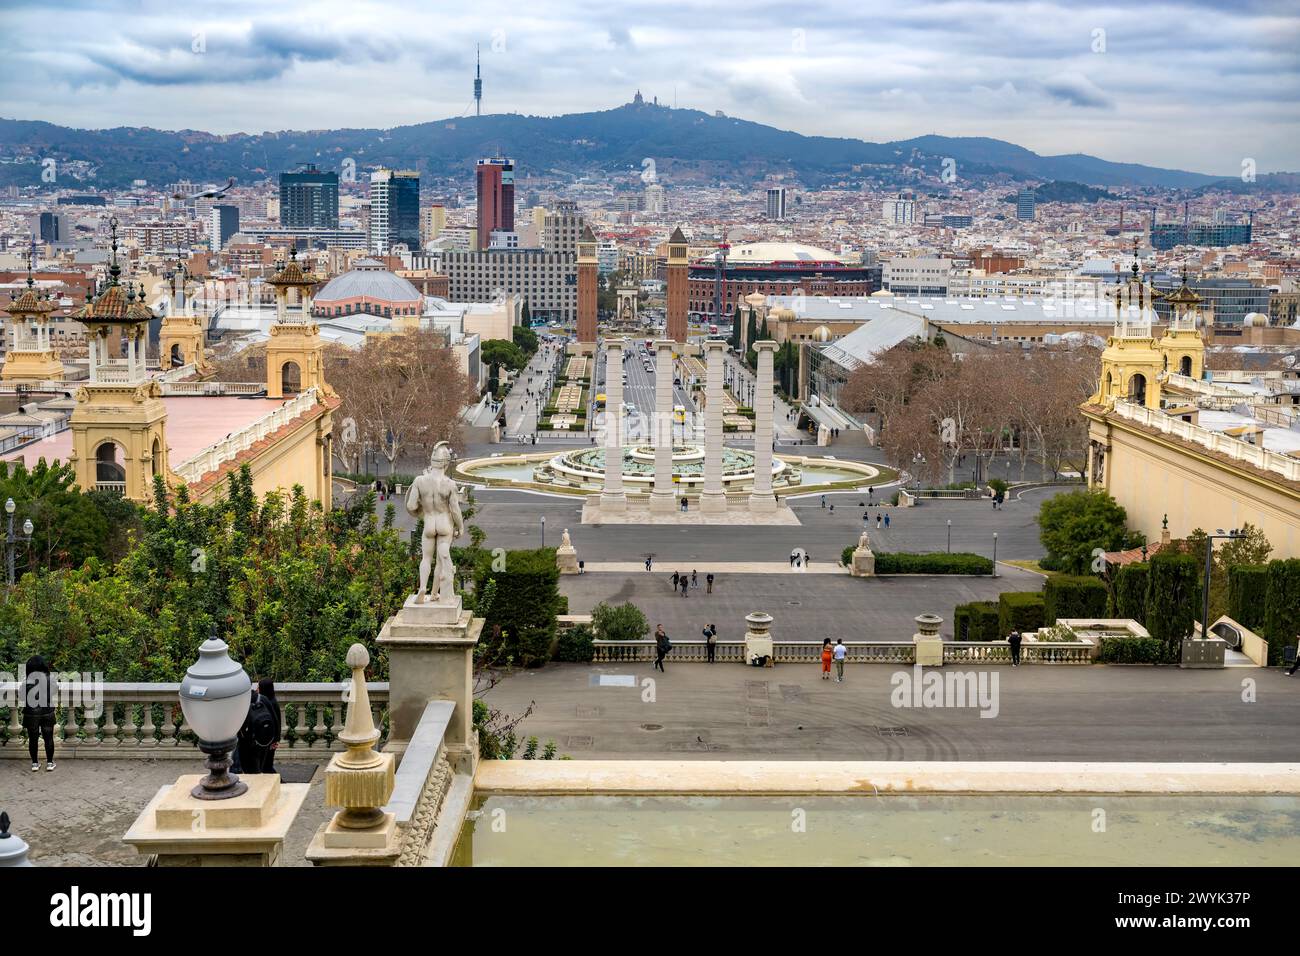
x=612, y=497
x=714, y=499
x=663, y=500
x=762, y=499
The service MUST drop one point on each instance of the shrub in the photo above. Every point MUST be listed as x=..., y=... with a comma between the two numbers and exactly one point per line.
x=575, y=645
x=846, y=556
x=1132, y=650
x=999, y=486
x=1282, y=607
x=1073, y=525
x=621, y=622
x=1173, y=600
x=524, y=606
x=1070, y=596
x=1248, y=594
x=1130, y=599
x=976, y=621
x=1020, y=611
x=940, y=562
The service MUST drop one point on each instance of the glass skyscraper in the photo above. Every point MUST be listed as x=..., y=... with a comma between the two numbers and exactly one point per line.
x=309, y=199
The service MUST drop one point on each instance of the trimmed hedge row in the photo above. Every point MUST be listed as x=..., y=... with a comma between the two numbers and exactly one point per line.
x=1173, y=600
x=940, y=562
x=1248, y=594
x=1282, y=607
x=525, y=601
x=1020, y=611
x=1068, y=596
x=976, y=621
x=1132, y=650
x=1130, y=599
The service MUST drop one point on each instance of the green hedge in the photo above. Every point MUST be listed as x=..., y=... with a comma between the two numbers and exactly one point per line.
x=1132, y=650
x=1282, y=607
x=976, y=621
x=1248, y=594
x=1020, y=611
x=1068, y=596
x=1130, y=598
x=939, y=562
x=575, y=645
x=1173, y=599
x=520, y=621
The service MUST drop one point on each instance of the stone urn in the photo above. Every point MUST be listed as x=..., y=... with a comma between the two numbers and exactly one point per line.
x=929, y=645
x=758, y=638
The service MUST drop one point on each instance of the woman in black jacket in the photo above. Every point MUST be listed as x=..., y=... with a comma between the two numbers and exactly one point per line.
x=38, y=710
x=266, y=690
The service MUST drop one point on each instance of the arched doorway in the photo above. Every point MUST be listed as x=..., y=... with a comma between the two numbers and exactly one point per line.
x=156, y=463
x=1185, y=365
x=178, y=357
x=110, y=475
x=1137, y=389
x=290, y=378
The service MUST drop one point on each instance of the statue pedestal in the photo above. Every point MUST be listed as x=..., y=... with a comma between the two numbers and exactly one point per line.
x=713, y=503
x=430, y=651
x=864, y=563
x=247, y=830
x=566, y=559
x=929, y=645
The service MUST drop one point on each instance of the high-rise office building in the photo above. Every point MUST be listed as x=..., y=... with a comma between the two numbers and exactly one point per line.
x=1025, y=203
x=495, y=179
x=656, y=200
x=309, y=199
x=900, y=210
x=1168, y=235
x=776, y=203
x=224, y=224
x=434, y=222
x=50, y=227
x=394, y=209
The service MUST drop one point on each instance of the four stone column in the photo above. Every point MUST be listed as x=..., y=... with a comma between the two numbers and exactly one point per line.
x=613, y=498
x=714, y=499
x=663, y=499
x=762, y=499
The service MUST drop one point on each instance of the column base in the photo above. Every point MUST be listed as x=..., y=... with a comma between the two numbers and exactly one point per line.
x=613, y=503
x=712, y=503
x=763, y=504
x=662, y=504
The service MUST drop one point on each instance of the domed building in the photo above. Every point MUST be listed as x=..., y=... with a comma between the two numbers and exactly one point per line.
x=368, y=289
x=776, y=269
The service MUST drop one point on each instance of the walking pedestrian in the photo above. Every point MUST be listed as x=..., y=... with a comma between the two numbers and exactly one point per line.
x=38, y=710
x=257, y=734
x=886, y=522
x=870, y=491
x=684, y=585
x=839, y=654
x=708, y=581
x=823, y=501
x=582, y=567
x=711, y=641
x=877, y=520
x=266, y=691
x=662, y=646
x=675, y=577
x=827, y=654
x=793, y=554
x=1014, y=640
x=648, y=561
x=695, y=582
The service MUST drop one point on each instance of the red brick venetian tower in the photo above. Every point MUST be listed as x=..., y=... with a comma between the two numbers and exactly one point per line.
x=678, y=287
x=587, y=267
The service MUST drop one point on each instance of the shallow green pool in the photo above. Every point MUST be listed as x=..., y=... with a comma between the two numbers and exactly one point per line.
x=998, y=830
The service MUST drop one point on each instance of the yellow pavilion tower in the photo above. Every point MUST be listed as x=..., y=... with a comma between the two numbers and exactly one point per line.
x=1182, y=347
x=119, y=441
x=295, y=354
x=32, y=358
x=1131, y=364
x=180, y=339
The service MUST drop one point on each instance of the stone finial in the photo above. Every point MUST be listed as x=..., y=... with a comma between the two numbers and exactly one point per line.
x=360, y=780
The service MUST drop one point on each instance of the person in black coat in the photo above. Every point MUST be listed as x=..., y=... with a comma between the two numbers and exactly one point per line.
x=1014, y=640
x=266, y=690
x=38, y=710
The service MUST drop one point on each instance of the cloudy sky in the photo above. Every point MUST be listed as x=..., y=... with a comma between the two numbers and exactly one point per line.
x=1192, y=84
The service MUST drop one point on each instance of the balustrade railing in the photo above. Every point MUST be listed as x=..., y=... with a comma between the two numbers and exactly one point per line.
x=733, y=652
x=145, y=720
x=1031, y=652
x=181, y=389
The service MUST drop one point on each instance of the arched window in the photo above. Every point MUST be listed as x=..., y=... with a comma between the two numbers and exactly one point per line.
x=178, y=357
x=1137, y=389
x=1185, y=365
x=109, y=472
x=290, y=378
x=156, y=464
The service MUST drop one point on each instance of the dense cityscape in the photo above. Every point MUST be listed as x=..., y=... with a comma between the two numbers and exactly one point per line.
x=437, y=441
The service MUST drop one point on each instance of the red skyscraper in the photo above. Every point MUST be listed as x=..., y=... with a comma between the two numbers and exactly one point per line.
x=496, y=198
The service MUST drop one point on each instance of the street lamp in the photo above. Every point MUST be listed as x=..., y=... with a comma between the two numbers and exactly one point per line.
x=12, y=540
x=995, y=554
x=1205, y=590
x=950, y=535
x=543, y=531
x=214, y=698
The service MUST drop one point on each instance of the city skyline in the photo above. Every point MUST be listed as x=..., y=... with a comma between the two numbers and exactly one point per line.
x=1125, y=85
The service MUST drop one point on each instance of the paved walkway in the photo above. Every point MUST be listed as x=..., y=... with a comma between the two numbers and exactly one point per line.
x=1044, y=712
x=719, y=567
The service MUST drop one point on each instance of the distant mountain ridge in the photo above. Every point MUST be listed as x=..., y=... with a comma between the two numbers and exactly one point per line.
x=689, y=144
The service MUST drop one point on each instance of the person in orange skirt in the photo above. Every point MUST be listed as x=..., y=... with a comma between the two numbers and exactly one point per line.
x=827, y=655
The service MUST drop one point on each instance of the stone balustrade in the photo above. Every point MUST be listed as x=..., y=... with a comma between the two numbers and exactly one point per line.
x=1257, y=455
x=214, y=456
x=733, y=652
x=211, y=388
x=145, y=720
x=1031, y=652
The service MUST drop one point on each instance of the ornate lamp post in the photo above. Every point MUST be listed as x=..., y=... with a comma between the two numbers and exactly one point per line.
x=13, y=851
x=214, y=698
x=995, y=554
x=949, y=535
x=12, y=540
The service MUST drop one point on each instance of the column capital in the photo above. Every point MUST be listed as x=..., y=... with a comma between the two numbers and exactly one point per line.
x=764, y=345
x=714, y=345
